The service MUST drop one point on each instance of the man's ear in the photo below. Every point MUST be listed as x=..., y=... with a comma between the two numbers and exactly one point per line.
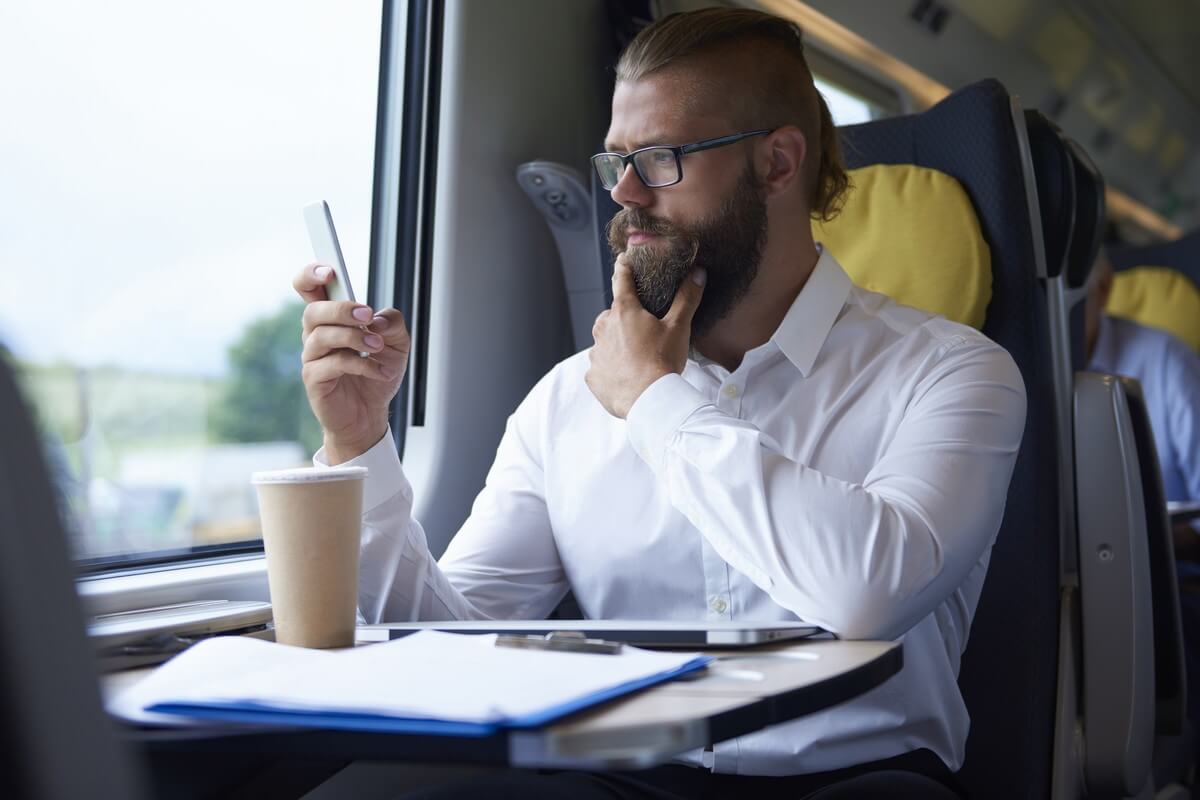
x=783, y=162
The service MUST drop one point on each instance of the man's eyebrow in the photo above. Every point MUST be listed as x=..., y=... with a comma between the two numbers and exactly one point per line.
x=611, y=148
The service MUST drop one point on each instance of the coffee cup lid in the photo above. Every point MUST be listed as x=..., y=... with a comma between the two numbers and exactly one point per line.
x=309, y=475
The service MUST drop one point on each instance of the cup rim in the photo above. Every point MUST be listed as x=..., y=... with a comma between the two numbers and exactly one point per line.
x=308, y=475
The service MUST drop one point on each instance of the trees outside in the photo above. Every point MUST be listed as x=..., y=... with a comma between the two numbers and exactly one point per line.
x=263, y=399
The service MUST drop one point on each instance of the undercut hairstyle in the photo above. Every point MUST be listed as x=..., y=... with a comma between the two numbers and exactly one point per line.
x=782, y=90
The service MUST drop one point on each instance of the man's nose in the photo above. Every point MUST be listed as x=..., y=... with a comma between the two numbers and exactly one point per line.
x=630, y=191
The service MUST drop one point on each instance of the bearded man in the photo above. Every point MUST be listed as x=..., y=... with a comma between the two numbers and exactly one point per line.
x=751, y=437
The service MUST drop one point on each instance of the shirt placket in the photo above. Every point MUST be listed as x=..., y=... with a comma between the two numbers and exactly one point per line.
x=717, y=584
x=719, y=604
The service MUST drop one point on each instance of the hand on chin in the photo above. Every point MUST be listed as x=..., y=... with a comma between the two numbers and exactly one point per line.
x=633, y=348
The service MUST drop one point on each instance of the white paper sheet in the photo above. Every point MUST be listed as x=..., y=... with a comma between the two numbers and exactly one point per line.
x=428, y=675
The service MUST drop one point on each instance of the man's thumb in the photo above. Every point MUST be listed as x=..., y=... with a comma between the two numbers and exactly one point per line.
x=687, y=298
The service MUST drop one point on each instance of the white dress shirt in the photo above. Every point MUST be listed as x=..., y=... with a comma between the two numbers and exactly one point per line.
x=851, y=472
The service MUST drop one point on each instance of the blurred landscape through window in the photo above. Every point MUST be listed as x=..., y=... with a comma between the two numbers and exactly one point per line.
x=156, y=160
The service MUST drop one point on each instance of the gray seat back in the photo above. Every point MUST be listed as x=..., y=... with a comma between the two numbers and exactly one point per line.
x=57, y=741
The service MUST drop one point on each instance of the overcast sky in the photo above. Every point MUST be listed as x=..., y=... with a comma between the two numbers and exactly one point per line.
x=154, y=161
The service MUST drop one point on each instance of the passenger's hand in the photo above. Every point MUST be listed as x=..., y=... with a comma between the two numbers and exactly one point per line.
x=634, y=348
x=349, y=394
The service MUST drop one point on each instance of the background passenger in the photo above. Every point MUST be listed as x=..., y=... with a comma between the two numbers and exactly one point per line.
x=752, y=437
x=1169, y=372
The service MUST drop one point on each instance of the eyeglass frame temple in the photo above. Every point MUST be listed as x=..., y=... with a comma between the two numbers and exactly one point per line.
x=720, y=141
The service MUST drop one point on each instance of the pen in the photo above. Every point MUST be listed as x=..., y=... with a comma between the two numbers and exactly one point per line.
x=563, y=641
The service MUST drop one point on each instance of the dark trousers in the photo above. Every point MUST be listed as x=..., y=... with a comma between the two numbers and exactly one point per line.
x=919, y=774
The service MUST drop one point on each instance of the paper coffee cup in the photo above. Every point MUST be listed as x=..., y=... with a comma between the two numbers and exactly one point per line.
x=311, y=523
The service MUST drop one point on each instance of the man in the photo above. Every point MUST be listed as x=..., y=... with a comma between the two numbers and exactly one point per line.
x=751, y=437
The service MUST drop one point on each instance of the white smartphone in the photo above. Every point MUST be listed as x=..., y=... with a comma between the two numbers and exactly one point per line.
x=327, y=250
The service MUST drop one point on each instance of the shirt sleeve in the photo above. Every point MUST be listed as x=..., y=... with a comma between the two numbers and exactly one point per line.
x=1182, y=397
x=502, y=564
x=863, y=560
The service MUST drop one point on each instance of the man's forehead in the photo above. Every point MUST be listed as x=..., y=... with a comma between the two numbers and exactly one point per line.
x=666, y=107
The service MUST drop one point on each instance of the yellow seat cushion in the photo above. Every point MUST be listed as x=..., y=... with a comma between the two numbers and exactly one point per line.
x=1158, y=297
x=911, y=233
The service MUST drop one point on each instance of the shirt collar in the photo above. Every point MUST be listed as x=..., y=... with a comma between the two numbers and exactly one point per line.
x=807, y=323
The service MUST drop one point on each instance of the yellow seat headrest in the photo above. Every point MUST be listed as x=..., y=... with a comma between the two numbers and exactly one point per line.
x=1158, y=297
x=911, y=233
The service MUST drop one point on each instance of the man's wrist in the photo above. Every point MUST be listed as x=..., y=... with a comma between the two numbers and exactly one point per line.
x=339, y=451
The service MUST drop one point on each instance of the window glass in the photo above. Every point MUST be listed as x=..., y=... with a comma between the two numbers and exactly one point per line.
x=157, y=156
x=846, y=107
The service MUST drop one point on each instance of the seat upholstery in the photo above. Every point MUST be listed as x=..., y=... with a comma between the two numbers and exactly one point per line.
x=929, y=220
x=1158, y=297
x=1182, y=254
x=1152, y=296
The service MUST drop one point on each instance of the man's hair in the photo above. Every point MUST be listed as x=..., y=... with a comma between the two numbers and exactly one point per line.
x=784, y=94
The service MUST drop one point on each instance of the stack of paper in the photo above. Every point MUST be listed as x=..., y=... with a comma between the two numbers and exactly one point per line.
x=429, y=682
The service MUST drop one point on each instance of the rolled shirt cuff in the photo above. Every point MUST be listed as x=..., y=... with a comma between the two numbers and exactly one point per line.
x=656, y=416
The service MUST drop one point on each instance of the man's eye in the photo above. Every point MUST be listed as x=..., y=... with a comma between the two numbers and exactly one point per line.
x=662, y=158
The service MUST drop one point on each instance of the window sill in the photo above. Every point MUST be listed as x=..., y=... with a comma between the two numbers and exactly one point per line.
x=231, y=578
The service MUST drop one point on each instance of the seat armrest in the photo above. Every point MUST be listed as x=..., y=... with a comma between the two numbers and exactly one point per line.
x=1170, y=684
x=1115, y=591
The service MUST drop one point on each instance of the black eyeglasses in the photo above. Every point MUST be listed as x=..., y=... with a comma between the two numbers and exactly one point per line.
x=658, y=165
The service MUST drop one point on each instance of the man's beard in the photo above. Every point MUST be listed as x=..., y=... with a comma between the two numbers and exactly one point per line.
x=727, y=245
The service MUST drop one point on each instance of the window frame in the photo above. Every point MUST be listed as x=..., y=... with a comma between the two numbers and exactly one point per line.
x=416, y=187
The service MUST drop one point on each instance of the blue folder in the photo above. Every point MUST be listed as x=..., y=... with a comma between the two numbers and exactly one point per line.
x=244, y=711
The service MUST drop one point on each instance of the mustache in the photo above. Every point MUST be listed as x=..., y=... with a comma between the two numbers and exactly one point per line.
x=618, y=227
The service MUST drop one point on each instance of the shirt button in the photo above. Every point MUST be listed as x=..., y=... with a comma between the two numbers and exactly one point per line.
x=718, y=605
x=730, y=390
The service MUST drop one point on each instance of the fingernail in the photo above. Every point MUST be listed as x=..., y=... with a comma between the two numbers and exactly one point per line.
x=362, y=314
x=372, y=341
x=699, y=277
x=386, y=371
x=322, y=273
x=380, y=323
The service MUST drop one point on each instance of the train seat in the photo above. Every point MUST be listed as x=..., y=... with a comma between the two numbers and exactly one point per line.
x=1159, y=285
x=1009, y=669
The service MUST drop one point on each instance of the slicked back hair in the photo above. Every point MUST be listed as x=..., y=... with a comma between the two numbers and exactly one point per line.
x=782, y=92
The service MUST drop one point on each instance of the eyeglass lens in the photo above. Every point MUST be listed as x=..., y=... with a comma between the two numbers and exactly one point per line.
x=656, y=166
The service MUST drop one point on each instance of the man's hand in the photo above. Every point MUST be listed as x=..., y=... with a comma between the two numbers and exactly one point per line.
x=349, y=394
x=633, y=347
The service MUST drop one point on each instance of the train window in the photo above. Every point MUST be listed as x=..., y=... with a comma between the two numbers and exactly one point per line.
x=156, y=160
x=846, y=106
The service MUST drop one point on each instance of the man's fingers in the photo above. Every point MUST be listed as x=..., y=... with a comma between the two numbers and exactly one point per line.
x=325, y=339
x=598, y=325
x=389, y=323
x=624, y=289
x=687, y=300
x=310, y=282
x=343, y=362
x=335, y=312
